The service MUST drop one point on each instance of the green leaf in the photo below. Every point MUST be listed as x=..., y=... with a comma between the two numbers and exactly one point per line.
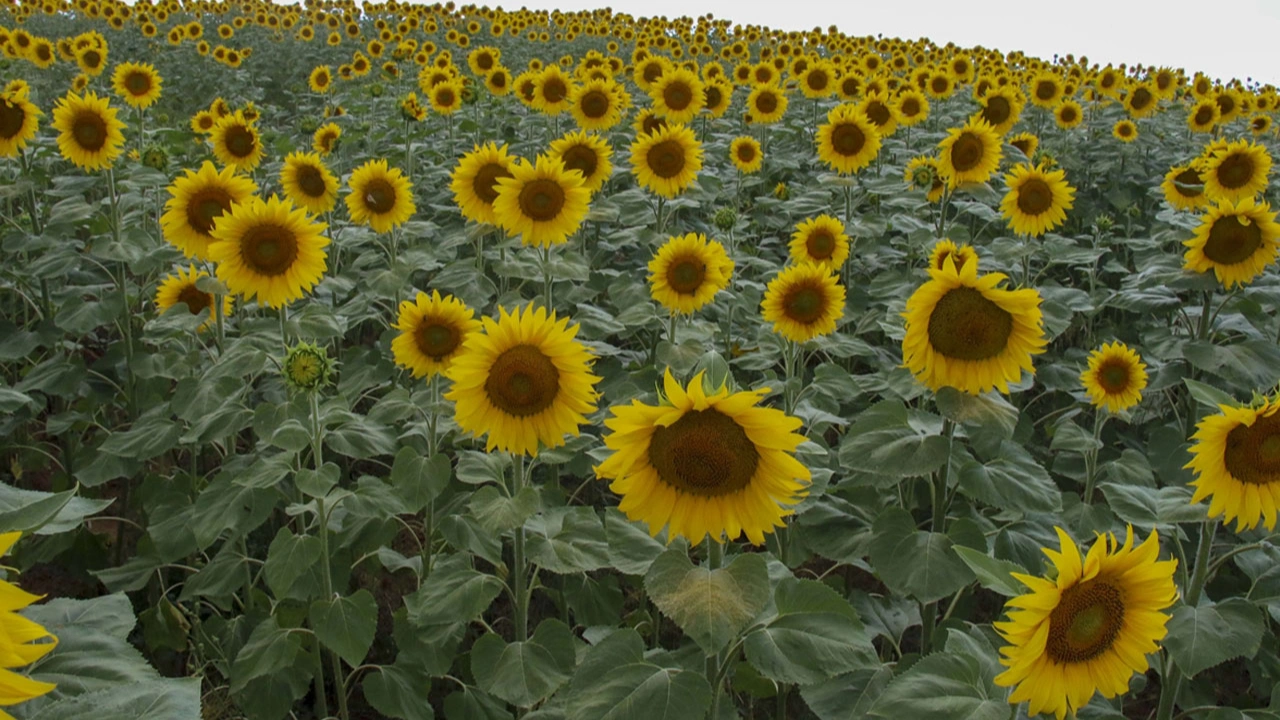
x=477, y=468
x=524, y=673
x=988, y=413
x=711, y=606
x=631, y=549
x=993, y=574
x=941, y=687
x=615, y=682
x=498, y=513
x=567, y=539
x=1070, y=437
x=1210, y=634
x=1247, y=364
x=1011, y=480
x=916, y=563
x=158, y=699
x=346, y=625
x=269, y=649
x=147, y=438
x=847, y=697
x=457, y=593
x=814, y=635
x=1153, y=507
x=398, y=692
x=317, y=483
x=44, y=513
x=889, y=440
x=1208, y=395
x=419, y=480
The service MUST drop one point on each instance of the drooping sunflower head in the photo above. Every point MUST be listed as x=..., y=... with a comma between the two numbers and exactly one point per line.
x=820, y=240
x=767, y=103
x=180, y=287
x=1115, y=377
x=746, y=154
x=432, y=331
x=89, y=134
x=804, y=301
x=268, y=250
x=1237, y=171
x=308, y=182
x=1126, y=131
x=381, y=196
x=474, y=181
x=325, y=139
x=19, y=121
x=946, y=250
x=667, y=160
x=1237, y=240
x=1184, y=188
x=969, y=154
x=1037, y=200
x=138, y=84
x=966, y=332
x=595, y=104
x=1089, y=629
x=848, y=141
x=687, y=272
x=1236, y=459
x=236, y=142
x=677, y=95
x=197, y=200
x=589, y=154
x=542, y=202
x=922, y=174
x=524, y=381
x=705, y=463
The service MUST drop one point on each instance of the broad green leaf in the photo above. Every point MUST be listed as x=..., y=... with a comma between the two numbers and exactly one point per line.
x=269, y=649
x=288, y=558
x=498, y=513
x=567, y=540
x=847, y=697
x=1212, y=633
x=456, y=593
x=398, y=692
x=914, y=562
x=1011, y=480
x=631, y=548
x=418, y=479
x=615, y=682
x=147, y=438
x=711, y=606
x=1249, y=364
x=1208, y=395
x=941, y=687
x=475, y=704
x=986, y=413
x=524, y=673
x=346, y=624
x=993, y=574
x=887, y=439
x=815, y=635
x=156, y=699
x=44, y=513
x=1070, y=437
x=317, y=483
x=1153, y=507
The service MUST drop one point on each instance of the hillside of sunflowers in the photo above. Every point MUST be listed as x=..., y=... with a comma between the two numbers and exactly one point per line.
x=408, y=361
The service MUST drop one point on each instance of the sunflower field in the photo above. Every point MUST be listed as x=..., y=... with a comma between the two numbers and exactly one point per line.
x=407, y=361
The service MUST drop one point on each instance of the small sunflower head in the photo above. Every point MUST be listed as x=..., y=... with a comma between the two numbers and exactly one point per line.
x=376, y=90
x=923, y=175
x=309, y=125
x=1104, y=222
x=155, y=157
x=1045, y=161
x=307, y=367
x=725, y=218
x=781, y=192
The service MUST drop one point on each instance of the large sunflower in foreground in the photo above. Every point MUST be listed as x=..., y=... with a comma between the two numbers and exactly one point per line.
x=821, y=240
x=1237, y=171
x=1115, y=377
x=89, y=134
x=308, y=183
x=969, y=154
x=19, y=120
x=1235, y=240
x=1038, y=199
x=196, y=201
x=26, y=641
x=667, y=160
x=180, y=287
x=704, y=464
x=380, y=196
x=523, y=381
x=474, y=181
x=1183, y=188
x=236, y=142
x=965, y=332
x=688, y=271
x=542, y=202
x=1089, y=629
x=432, y=331
x=848, y=141
x=137, y=83
x=1236, y=459
x=269, y=250
x=804, y=301
x=587, y=153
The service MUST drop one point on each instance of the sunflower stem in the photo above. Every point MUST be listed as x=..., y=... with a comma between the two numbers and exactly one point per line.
x=1091, y=457
x=1206, y=318
x=326, y=574
x=519, y=576
x=220, y=321
x=671, y=328
x=546, y=278
x=1171, y=683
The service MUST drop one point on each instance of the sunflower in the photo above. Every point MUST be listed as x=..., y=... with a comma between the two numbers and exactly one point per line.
x=1203, y=116
x=269, y=250
x=1142, y=100
x=308, y=183
x=1236, y=240
x=922, y=174
x=1068, y=114
x=1089, y=629
x=1237, y=171
x=432, y=331
x=1236, y=464
x=381, y=196
x=821, y=241
x=137, y=83
x=804, y=301
x=1115, y=377
x=965, y=332
x=746, y=154
x=524, y=380
x=767, y=103
x=1045, y=89
x=594, y=105
x=498, y=82
x=1001, y=108
x=969, y=154
x=881, y=111
x=848, y=141
x=649, y=70
x=180, y=287
x=1260, y=124
x=713, y=464
x=474, y=181
x=552, y=88
x=687, y=272
x=89, y=134
x=677, y=95
x=1184, y=189
x=959, y=255
x=667, y=160
x=818, y=80
x=19, y=121
x=1125, y=131
x=92, y=60
x=321, y=79
x=236, y=142
x=25, y=641
x=1037, y=200
x=325, y=139
x=543, y=202
x=912, y=107
x=588, y=154
x=446, y=97
x=43, y=55
x=196, y=201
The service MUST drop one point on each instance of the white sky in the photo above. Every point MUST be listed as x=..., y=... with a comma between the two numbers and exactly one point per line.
x=1222, y=38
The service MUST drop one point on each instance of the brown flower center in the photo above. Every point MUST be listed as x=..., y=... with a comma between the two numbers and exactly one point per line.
x=967, y=152
x=666, y=159
x=1253, y=451
x=240, y=141
x=910, y=107
x=1188, y=183
x=522, y=381
x=685, y=275
x=311, y=181
x=1085, y=623
x=594, y=104
x=445, y=97
x=879, y=113
x=89, y=130
x=12, y=118
x=1035, y=196
x=269, y=249
x=968, y=326
x=1046, y=89
x=137, y=83
x=652, y=71
x=1235, y=171
x=766, y=103
x=379, y=196
x=1204, y=115
x=582, y=158
x=1113, y=376
x=820, y=244
x=554, y=90
x=817, y=80
x=848, y=139
x=437, y=340
x=713, y=96
x=485, y=184
x=677, y=95
x=704, y=453
x=205, y=206
x=652, y=123
x=1068, y=114
x=939, y=84
x=1141, y=99
x=194, y=299
x=996, y=110
x=805, y=303
x=1232, y=239
x=542, y=199
x=746, y=153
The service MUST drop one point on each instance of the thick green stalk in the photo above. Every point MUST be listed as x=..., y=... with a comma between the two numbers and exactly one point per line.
x=519, y=571
x=1171, y=684
x=317, y=452
x=1091, y=457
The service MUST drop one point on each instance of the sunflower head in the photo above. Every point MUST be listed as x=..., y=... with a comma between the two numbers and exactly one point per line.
x=946, y=250
x=269, y=250
x=848, y=141
x=821, y=240
x=1237, y=171
x=1236, y=459
x=922, y=174
x=1037, y=200
x=969, y=154
x=19, y=120
x=236, y=142
x=1183, y=188
x=1126, y=131
x=542, y=202
x=687, y=272
x=432, y=331
x=326, y=137
x=381, y=196
x=89, y=134
x=1115, y=377
x=746, y=154
x=308, y=182
x=596, y=104
x=1236, y=240
x=677, y=95
x=306, y=367
x=804, y=301
x=180, y=287
x=667, y=160
x=138, y=84
x=589, y=154
x=197, y=200
x=474, y=181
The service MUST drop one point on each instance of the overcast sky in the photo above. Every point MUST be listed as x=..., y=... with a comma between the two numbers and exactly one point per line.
x=1223, y=38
